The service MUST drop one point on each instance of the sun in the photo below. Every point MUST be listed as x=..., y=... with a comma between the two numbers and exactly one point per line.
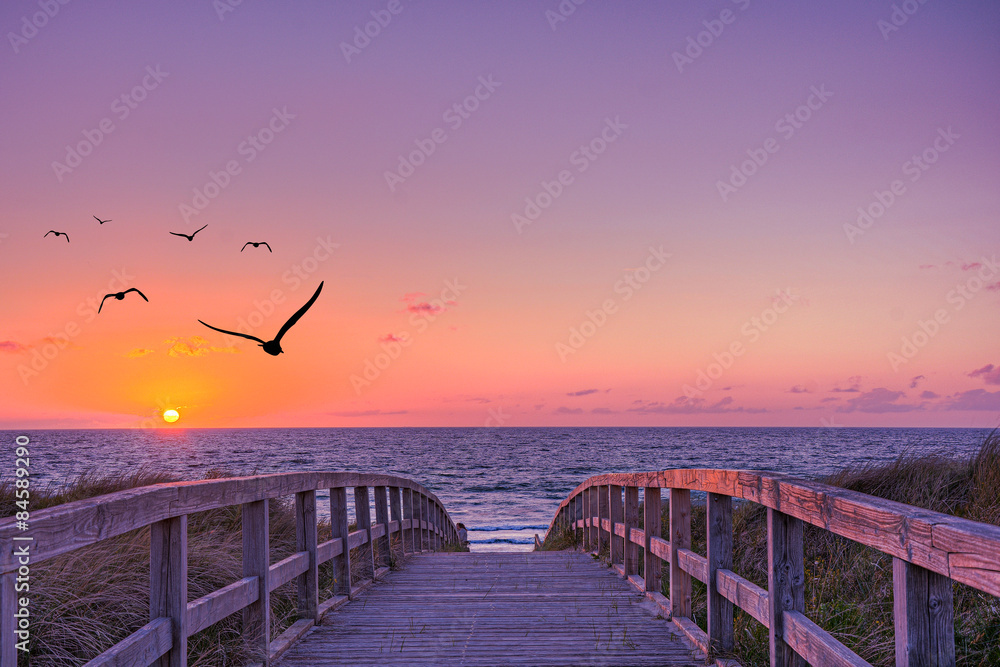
x=171, y=415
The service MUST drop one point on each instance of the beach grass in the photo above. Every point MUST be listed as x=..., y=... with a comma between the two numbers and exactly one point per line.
x=848, y=585
x=86, y=601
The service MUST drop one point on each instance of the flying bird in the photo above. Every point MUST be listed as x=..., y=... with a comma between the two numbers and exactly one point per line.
x=58, y=234
x=190, y=237
x=273, y=347
x=255, y=245
x=121, y=295
x=101, y=221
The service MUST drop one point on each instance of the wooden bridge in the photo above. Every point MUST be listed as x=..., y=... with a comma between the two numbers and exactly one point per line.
x=536, y=608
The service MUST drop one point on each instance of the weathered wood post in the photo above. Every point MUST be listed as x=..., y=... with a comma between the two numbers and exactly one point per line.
x=720, y=556
x=306, y=540
x=617, y=514
x=588, y=537
x=924, y=615
x=651, y=566
x=396, y=514
x=257, y=563
x=339, y=528
x=785, y=583
x=168, y=585
x=680, y=538
x=363, y=515
x=631, y=521
x=410, y=535
x=603, y=512
x=425, y=541
x=382, y=517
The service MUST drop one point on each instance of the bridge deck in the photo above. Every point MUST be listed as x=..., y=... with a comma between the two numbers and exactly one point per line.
x=536, y=608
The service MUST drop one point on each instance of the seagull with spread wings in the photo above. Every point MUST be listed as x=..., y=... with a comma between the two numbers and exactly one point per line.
x=273, y=347
x=58, y=234
x=259, y=243
x=190, y=237
x=101, y=221
x=120, y=296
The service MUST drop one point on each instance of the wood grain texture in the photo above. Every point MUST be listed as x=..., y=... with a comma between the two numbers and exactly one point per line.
x=924, y=617
x=537, y=608
x=212, y=608
x=719, y=556
x=680, y=538
x=382, y=518
x=168, y=585
x=632, y=541
x=339, y=527
x=652, y=563
x=616, y=507
x=142, y=647
x=817, y=646
x=363, y=519
x=785, y=583
x=257, y=563
x=307, y=541
x=604, y=515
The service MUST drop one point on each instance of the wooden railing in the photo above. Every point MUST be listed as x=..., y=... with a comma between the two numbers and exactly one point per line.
x=401, y=506
x=929, y=550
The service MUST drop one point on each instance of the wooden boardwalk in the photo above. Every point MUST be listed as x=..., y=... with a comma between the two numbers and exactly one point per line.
x=535, y=608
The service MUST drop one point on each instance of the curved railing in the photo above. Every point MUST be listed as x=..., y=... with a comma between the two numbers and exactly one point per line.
x=929, y=550
x=401, y=506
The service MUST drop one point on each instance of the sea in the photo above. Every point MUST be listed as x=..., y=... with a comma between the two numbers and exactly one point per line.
x=504, y=484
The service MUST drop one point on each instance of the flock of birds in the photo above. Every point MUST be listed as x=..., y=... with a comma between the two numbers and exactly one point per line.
x=272, y=347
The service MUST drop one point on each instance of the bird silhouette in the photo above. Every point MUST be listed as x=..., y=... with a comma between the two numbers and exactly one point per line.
x=101, y=221
x=58, y=234
x=255, y=245
x=273, y=347
x=190, y=237
x=120, y=296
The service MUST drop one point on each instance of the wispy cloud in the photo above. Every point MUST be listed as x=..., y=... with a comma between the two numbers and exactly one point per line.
x=583, y=392
x=854, y=386
x=929, y=395
x=12, y=347
x=974, y=399
x=683, y=405
x=367, y=413
x=563, y=410
x=879, y=400
x=798, y=389
x=390, y=338
x=603, y=411
x=414, y=304
x=970, y=266
x=916, y=380
x=139, y=352
x=989, y=373
x=195, y=346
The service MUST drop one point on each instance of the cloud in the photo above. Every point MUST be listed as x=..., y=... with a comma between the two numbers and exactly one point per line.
x=139, y=352
x=798, y=389
x=367, y=413
x=12, y=347
x=683, y=405
x=916, y=380
x=995, y=287
x=855, y=386
x=603, y=411
x=563, y=410
x=929, y=395
x=971, y=266
x=63, y=342
x=975, y=399
x=582, y=392
x=989, y=373
x=196, y=346
x=878, y=401
x=830, y=398
x=928, y=266
x=390, y=338
x=432, y=307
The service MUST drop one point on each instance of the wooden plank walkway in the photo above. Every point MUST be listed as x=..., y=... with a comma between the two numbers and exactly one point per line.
x=535, y=608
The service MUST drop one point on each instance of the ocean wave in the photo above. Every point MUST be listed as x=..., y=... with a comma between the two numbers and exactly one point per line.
x=492, y=529
x=503, y=540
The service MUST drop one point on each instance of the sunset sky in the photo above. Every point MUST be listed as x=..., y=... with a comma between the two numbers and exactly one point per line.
x=631, y=213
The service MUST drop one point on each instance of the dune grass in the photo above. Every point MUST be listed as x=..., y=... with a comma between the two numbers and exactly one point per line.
x=86, y=601
x=848, y=585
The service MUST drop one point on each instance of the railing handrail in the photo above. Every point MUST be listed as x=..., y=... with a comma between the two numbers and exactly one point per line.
x=69, y=526
x=401, y=506
x=929, y=549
